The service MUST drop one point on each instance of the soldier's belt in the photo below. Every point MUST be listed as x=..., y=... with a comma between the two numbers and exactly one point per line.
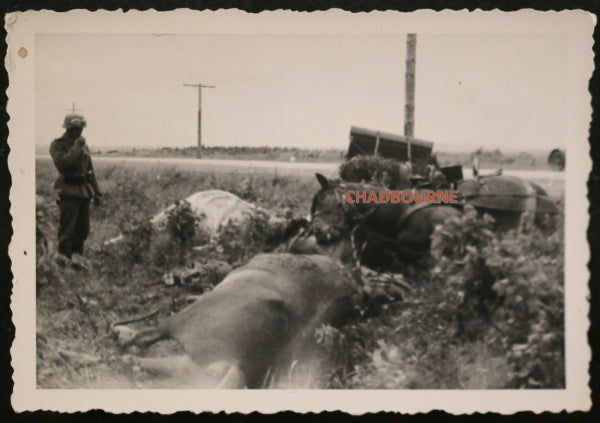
x=75, y=179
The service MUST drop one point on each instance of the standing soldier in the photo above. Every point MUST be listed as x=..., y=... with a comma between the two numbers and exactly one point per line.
x=76, y=186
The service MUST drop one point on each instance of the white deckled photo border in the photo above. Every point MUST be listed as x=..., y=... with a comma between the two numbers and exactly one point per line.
x=22, y=28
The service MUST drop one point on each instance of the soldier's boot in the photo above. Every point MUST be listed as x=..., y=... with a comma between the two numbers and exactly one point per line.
x=79, y=262
x=62, y=261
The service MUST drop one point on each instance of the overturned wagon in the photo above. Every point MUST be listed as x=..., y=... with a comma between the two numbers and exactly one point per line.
x=413, y=158
x=384, y=144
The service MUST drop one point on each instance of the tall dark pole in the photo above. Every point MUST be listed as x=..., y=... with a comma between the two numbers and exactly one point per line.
x=200, y=86
x=73, y=109
x=409, y=108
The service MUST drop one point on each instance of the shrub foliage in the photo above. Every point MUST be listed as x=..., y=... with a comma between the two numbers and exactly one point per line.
x=376, y=170
x=486, y=312
x=513, y=284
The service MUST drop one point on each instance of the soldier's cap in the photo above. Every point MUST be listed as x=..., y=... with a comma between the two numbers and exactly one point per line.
x=74, y=120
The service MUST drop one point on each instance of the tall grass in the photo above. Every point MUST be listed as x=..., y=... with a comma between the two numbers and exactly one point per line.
x=485, y=312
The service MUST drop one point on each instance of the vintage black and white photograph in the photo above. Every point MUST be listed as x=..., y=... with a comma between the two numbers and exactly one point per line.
x=328, y=203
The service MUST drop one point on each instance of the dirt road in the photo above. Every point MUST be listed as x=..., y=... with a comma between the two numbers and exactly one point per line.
x=329, y=169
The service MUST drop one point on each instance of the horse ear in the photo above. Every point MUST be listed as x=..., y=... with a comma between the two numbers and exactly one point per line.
x=322, y=180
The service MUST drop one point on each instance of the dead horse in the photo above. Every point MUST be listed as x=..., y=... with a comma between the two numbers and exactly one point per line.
x=234, y=335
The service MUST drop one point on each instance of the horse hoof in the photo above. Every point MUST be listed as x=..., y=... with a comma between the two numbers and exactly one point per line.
x=124, y=335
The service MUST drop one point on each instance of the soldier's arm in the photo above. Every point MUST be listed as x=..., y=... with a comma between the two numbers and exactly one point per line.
x=92, y=178
x=66, y=159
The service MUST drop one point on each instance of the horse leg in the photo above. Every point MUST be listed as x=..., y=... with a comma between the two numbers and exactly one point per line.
x=145, y=338
x=358, y=247
x=234, y=377
x=175, y=366
x=220, y=375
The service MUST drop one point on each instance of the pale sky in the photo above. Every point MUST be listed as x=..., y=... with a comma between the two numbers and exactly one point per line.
x=491, y=91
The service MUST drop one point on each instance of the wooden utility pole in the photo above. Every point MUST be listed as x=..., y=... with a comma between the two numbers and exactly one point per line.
x=200, y=86
x=73, y=109
x=409, y=108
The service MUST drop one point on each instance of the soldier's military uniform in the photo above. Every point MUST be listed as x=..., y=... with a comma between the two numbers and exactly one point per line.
x=76, y=186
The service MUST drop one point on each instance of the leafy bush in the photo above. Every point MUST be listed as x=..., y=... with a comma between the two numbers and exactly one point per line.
x=137, y=238
x=181, y=223
x=376, y=170
x=337, y=348
x=47, y=271
x=460, y=250
x=507, y=291
x=239, y=242
x=488, y=313
x=166, y=252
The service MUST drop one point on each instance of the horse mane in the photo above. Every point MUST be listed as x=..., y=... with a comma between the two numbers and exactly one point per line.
x=358, y=186
x=339, y=187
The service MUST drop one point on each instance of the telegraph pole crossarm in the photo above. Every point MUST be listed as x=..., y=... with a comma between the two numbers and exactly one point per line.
x=199, y=86
x=73, y=109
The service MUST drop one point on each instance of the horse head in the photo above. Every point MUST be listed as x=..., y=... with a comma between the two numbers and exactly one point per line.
x=328, y=223
x=332, y=217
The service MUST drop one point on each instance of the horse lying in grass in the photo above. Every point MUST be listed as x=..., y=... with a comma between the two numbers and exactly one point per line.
x=406, y=229
x=511, y=201
x=236, y=335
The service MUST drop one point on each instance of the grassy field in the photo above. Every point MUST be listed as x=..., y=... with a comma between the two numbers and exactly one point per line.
x=420, y=342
